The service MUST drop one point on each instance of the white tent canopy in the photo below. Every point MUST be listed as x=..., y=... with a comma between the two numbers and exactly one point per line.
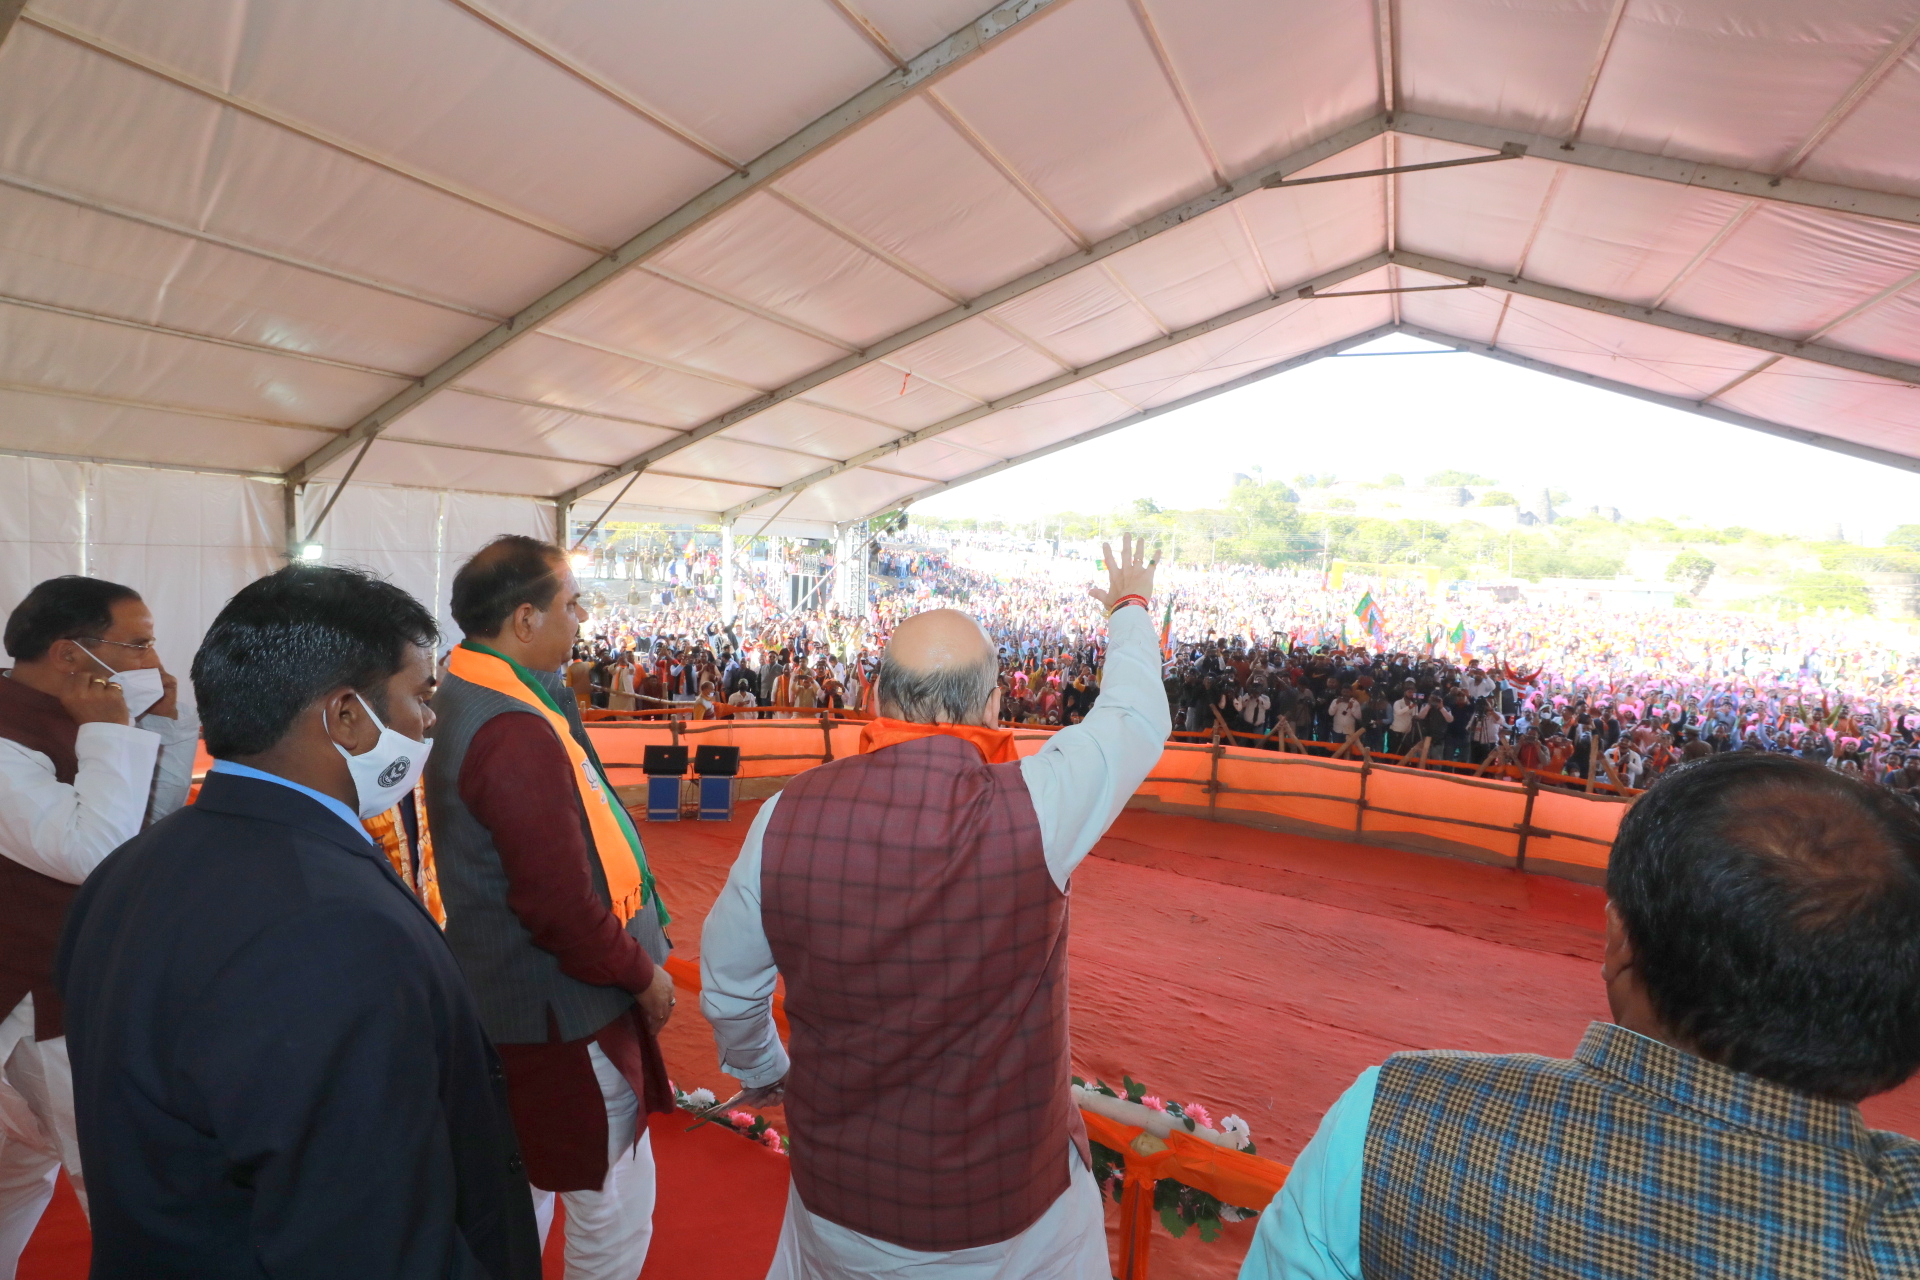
x=796, y=262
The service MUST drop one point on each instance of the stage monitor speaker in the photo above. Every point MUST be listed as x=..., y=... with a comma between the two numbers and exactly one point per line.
x=717, y=762
x=665, y=762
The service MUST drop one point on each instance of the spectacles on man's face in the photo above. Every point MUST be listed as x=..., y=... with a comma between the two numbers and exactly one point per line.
x=139, y=646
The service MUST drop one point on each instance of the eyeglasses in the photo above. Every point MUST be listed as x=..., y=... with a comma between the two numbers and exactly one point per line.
x=139, y=646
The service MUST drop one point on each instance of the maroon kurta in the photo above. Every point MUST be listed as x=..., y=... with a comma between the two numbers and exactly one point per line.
x=517, y=781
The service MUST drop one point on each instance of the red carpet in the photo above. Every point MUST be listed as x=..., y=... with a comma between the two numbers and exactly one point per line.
x=1253, y=972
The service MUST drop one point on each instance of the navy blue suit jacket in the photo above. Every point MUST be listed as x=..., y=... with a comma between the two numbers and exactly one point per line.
x=277, y=1067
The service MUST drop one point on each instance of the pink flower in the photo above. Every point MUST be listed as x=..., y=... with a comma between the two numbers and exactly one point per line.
x=741, y=1118
x=1199, y=1115
x=1153, y=1102
x=772, y=1138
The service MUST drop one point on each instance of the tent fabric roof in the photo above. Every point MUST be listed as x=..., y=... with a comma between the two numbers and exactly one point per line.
x=813, y=259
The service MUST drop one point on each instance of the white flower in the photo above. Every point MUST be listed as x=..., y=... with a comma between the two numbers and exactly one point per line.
x=700, y=1099
x=1230, y=1214
x=1239, y=1130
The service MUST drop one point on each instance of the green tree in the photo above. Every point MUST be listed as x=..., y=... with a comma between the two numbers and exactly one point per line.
x=1829, y=591
x=1454, y=479
x=1691, y=569
x=1393, y=480
x=1906, y=537
x=1145, y=507
x=1497, y=498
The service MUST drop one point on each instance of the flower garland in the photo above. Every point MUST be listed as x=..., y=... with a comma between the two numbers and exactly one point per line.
x=744, y=1123
x=1181, y=1207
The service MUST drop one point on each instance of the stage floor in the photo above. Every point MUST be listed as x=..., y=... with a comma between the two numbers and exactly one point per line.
x=1254, y=972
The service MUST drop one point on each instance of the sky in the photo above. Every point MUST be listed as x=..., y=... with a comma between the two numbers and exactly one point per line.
x=1361, y=417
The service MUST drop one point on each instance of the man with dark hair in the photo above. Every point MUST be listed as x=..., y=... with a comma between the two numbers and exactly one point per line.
x=914, y=898
x=92, y=744
x=1763, y=969
x=278, y=1067
x=551, y=907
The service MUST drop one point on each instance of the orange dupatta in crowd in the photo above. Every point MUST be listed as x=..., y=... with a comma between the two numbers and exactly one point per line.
x=390, y=833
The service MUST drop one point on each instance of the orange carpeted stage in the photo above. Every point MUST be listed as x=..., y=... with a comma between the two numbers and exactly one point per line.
x=1254, y=972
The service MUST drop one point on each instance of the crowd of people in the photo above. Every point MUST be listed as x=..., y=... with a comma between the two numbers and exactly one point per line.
x=1279, y=659
x=392, y=983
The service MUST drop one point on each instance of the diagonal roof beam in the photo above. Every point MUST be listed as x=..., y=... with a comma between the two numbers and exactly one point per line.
x=1772, y=344
x=1885, y=457
x=9, y=14
x=955, y=51
x=1332, y=145
x=1133, y=420
x=1688, y=173
x=1286, y=297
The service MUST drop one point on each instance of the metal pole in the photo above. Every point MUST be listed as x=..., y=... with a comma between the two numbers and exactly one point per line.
x=339, y=489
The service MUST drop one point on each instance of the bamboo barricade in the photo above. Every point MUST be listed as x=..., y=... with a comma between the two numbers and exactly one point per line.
x=1152, y=1144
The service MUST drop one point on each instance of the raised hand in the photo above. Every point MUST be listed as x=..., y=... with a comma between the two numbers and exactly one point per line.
x=93, y=699
x=1131, y=574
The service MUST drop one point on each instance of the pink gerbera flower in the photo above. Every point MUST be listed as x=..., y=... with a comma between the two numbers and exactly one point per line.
x=1158, y=1104
x=741, y=1118
x=772, y=1138
x=1199, y=1115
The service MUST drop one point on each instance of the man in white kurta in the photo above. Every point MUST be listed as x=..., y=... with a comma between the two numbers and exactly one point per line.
x=75, y=640
x=1078, y=782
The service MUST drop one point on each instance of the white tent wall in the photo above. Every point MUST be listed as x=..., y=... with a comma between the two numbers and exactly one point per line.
x=186, y=541
x=418, y=538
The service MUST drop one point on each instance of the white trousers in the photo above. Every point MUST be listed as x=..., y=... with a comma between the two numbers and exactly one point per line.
x=608, y=1230
x=1069, y=1242
x=36, y=1130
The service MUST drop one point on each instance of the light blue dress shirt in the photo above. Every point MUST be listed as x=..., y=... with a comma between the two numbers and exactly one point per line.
x=1311, y=1231
x=347, y=815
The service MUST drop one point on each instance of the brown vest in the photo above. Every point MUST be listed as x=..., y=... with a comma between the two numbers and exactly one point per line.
x=923, y=942
x=33, y=907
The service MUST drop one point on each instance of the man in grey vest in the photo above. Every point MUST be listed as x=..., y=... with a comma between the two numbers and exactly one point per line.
x=551, y=907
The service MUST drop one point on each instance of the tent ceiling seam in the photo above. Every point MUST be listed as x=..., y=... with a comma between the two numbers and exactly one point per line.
x=1859, y=309
x=1313, y=153
x=941, y=59
x=1734, y=335
x=1740, y=378
x=869, y=32
x=1384, y=41
x=1540, y=220
x=740, y=304
x=556, y=408
x=1164, y=58
x=158, y=223
x=1830, y=197
x=189, y=468
x=1005, y=167
x=1851, y=100
x=1800, y=434
x=1706, y=251
x=151, y=406
x=657, y=362
x=1599, y=63
x=259, y=111
x=540, y=48
x=237, y=344
x=828, y=222
x=1089, y=371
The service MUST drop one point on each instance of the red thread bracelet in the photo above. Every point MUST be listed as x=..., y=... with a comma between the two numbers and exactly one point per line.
x=1126, y=600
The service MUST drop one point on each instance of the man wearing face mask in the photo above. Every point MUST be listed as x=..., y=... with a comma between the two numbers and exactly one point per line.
x=551, y=907
x=92, y=745
x=278, y=1067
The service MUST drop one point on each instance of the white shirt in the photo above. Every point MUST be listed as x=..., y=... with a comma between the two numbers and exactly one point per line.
x=1402, y=717
x=126, y=775
x=1079, y=781
x=1346, y=715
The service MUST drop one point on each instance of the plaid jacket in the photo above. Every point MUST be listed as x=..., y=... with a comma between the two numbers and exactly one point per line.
x=908, y=904
x=1633, y=1159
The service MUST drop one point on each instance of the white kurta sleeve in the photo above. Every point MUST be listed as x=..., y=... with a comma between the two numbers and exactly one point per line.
x=62, y=830
x=1084, y=775
x=737, y=972
x=178, y=739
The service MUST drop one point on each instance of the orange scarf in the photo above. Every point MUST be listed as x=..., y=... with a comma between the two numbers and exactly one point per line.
x=995, y=744
x=614, y=840
x=391, y=834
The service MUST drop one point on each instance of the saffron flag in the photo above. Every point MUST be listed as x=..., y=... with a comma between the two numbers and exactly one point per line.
x=1166, y=633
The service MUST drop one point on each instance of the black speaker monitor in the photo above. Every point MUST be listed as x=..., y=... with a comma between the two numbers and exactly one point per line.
x=665, y=762
x=717, y=762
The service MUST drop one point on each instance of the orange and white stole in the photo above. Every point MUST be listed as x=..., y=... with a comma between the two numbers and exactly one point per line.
x=629, y=879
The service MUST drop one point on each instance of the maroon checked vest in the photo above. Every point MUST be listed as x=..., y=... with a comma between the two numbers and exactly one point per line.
x=33, y=907
x=923, y=942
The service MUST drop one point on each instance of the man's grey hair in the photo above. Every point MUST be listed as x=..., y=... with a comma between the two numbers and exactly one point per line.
x=945, y=695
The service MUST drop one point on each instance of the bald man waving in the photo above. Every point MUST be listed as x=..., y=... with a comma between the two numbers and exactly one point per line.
x=914, y=897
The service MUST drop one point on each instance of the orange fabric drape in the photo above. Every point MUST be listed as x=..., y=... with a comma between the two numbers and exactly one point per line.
x=995, y=744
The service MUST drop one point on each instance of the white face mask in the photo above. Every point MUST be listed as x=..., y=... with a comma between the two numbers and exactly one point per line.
x=386, y=771
x=141, y=687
